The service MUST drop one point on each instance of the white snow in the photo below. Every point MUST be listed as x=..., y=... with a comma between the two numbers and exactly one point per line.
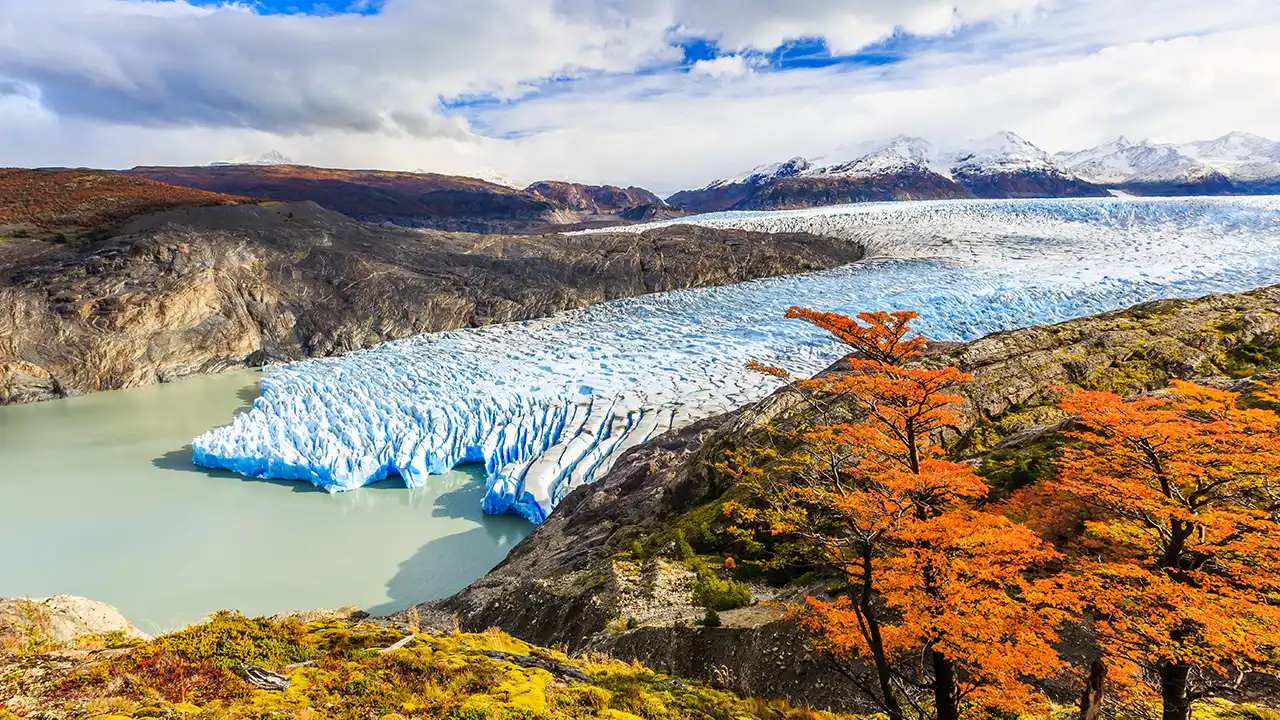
x=763, y=174
x=1239, y=156
x=901, y=154
x=1004, y=153
x=1121, y=161
x=271, y=157
x=549, y=405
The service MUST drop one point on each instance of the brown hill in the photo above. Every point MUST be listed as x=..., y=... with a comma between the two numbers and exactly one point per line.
x=421, y=200
x=70, y=202
x=596, y=199
x=430, y=200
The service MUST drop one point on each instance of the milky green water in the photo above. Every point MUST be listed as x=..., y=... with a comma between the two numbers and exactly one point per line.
x=98, y=498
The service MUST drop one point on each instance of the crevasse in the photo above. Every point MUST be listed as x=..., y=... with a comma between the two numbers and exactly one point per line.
x=549, y=405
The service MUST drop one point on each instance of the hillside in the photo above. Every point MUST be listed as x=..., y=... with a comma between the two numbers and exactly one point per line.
x=47, y=203
x=201, y=289
x=332, y=665
x=442, y=202
x=609, y=552
x=415, y=199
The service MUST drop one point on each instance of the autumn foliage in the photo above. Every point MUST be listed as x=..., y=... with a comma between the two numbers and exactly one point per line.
x=1165, y=509
x=947, y=612
x=85, y=199
x=1182, y=568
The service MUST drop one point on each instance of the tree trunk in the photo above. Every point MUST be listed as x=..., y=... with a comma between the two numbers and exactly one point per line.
x=1091, y=699
x=944, y=687
x=883, y=674
x=1173, y=691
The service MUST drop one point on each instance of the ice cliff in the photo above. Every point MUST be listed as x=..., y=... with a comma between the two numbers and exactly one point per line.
x=548, y=405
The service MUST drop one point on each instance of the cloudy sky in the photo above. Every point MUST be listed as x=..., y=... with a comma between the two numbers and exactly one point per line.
x=662, y=93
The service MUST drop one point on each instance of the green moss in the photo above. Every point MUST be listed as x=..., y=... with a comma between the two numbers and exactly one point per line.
x=432, y=677
x=1250, y=359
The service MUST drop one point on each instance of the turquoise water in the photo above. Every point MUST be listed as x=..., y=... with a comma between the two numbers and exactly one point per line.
x=98, y=498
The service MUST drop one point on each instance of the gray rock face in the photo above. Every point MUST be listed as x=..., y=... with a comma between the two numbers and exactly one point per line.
x=560, y=585
x=201, y=290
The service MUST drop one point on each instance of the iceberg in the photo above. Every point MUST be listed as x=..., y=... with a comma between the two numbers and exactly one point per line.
x=549, y=405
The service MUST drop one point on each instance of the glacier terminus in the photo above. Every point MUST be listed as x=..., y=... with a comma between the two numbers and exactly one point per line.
x=549, y=405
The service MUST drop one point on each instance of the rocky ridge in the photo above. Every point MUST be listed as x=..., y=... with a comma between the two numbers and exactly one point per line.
x=202, y=289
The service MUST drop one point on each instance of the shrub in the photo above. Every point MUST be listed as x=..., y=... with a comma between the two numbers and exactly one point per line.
x=684, y=551
x=707, y=540
x=637, y=550
x=712, y=592
x=711, y=618
x=230, y=639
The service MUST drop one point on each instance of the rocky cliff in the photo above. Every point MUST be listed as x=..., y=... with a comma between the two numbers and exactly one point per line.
x=574, y=581
x=202, y=289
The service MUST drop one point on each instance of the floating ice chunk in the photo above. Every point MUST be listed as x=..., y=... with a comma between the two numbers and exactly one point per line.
x=549, y=405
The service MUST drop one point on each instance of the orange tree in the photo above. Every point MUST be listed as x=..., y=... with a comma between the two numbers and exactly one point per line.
x=944, y=613
x=1182, y=562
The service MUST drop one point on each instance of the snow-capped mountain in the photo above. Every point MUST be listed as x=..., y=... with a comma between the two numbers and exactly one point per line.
x=1006, y=165
x=271, y=157
x=731, y=191
x=896, y=155
x=1243, y=157
x=763, y=174
x=1003, y=165
x=1004, y=152
x=1234, y=163
x=901, y=168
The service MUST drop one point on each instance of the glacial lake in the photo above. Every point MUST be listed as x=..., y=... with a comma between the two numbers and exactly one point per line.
x=98, y=498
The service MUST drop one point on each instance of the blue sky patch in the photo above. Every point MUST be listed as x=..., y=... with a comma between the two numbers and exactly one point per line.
x=307, y=7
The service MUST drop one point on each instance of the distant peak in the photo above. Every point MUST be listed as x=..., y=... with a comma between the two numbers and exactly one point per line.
x=271, y=157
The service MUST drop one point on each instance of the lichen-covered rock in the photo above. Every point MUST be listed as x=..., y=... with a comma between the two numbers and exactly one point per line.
x=62, y=619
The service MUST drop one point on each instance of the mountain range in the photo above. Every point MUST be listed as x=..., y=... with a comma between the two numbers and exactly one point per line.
x=1001, y=166
x=1004, y=165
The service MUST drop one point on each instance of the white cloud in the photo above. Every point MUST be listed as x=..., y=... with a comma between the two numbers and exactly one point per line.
x=847, y=26
x=725, y=66
x=122, y=82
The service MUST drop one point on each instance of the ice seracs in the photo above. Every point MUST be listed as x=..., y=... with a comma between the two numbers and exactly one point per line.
x=549, y=405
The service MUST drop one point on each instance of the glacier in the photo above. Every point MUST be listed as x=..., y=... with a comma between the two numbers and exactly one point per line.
x=548, y=405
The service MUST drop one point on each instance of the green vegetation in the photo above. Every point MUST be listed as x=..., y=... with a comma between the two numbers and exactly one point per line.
x=712, y=592
x=684, y=551
x=337, y=669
